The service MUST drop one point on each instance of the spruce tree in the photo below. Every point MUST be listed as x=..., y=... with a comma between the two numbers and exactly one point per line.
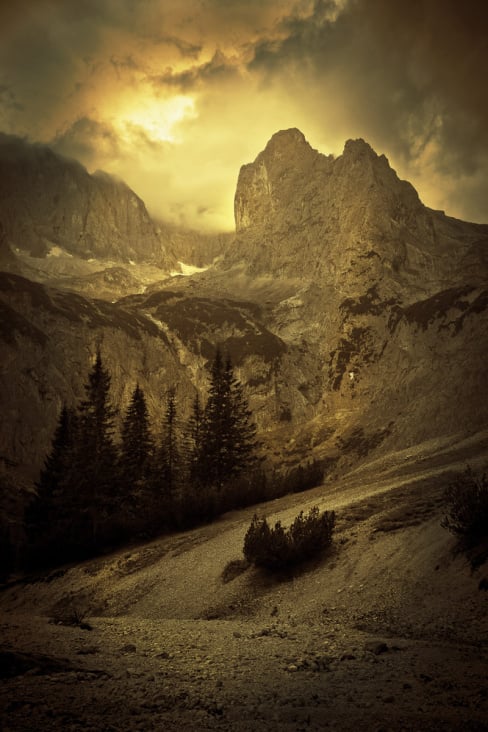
x=169, y=453
x=137, y=444
x=228, y=443
x=55, y=473
x=95, y=450
x=241, y=435
x=49, y=518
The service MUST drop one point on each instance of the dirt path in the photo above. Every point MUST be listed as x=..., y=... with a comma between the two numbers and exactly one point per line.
x=389, y=632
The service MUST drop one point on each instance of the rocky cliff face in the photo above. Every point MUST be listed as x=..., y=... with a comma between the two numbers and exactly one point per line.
x=48, y=340
x=357, y=318
x=344, y=221
x=390, y=296
x=46, y=201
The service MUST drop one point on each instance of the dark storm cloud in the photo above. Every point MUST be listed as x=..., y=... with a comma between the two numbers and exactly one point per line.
x=84, y=140
x=413, y=74
x=217, y=70
x=186, y=49
x=44, y=59
x=95, y=76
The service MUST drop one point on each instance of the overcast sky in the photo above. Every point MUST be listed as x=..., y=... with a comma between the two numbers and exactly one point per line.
x=175, y=95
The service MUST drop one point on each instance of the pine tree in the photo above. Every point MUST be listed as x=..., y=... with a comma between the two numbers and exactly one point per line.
x=241, y=439
x=169, y=462
x=137, y=444
x=55, y=473
x=228, y=443
x=49, y=517
x=194, y=439
x=95, y=450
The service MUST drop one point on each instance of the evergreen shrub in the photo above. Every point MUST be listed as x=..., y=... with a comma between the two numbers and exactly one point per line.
x=466, y=500
x=278, y=548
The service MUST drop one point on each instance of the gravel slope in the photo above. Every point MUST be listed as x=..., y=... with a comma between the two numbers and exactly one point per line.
x=387, y=632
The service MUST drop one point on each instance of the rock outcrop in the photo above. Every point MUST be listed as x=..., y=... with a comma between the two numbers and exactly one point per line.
x=357, y=318
x=47, y=200
x=347, y=221
x=49, y=337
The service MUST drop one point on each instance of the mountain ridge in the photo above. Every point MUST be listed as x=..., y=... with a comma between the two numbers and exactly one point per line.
x=357, y=320
x=48, y=200
x=304, y=214
x=356, y=317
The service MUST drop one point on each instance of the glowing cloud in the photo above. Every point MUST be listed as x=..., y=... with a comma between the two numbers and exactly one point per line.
x=175, y=96
x=159, y=119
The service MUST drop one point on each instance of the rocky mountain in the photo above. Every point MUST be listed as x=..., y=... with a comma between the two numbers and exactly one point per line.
x=356, y=316
x=85, y=233
x=389, y=295
x=48, y=201
x=347, y=221
x=357, y=320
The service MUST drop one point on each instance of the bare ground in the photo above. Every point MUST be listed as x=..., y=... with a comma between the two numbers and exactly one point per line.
x=387, y=632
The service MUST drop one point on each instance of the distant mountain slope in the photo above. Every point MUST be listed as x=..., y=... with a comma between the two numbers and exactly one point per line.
x=357, y=318
x=47, y=200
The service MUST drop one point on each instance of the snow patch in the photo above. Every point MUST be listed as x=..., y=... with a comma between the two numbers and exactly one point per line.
x=56, y=251
x=186, y=270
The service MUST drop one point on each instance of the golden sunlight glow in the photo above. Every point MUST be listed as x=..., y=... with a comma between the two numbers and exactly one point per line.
x=157, y=118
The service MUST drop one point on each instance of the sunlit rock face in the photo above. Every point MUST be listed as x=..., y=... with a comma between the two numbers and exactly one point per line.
x=345, y=222
x=390, y=295
x=47, y=201
x=356, y=317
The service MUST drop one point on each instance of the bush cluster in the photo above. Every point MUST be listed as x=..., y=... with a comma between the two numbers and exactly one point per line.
x=278, y=548
x=466, y=500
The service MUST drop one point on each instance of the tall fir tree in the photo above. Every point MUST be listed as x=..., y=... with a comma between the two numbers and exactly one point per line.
x=49, y=518
x=96, y=453
x=137, y=443
x=55, y=473
x=169, y=450
x=242, y=444
x=228, y=436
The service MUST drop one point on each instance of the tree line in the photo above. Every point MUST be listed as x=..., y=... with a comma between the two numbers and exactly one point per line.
x=97, y=488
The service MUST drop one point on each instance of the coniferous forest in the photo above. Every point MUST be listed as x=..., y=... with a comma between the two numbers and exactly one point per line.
x=101, y=486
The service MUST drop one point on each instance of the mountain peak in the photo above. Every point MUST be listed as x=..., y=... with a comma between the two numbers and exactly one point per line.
x=287, y=144
x=296, y=199
x=359, y=148
x=291, y=136
x=86, y=215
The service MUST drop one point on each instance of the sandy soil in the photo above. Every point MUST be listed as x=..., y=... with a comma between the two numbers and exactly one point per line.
x=387, y=632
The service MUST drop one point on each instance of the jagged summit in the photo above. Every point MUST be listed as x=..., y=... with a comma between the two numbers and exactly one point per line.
x=348, y=219
x=293, y=139
x=360, y=148
x=286, y=140
x=289, y=169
